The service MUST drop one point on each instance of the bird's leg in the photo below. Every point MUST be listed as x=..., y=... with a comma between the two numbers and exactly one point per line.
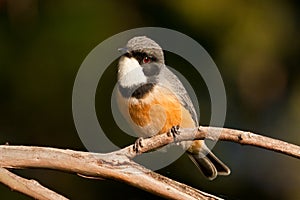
x=174, y=131
x=137, y=144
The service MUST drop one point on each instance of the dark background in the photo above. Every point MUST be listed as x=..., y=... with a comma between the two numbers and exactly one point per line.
x=255, y=45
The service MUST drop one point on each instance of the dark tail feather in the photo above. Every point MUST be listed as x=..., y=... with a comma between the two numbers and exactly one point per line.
x=209, y=165
x=222, y=169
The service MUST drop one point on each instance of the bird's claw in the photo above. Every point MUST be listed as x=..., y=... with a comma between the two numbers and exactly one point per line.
x=174, y=131
x=137, y=145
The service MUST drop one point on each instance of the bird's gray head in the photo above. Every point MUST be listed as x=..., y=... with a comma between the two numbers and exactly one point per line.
x=143, y=47
x=141, y=62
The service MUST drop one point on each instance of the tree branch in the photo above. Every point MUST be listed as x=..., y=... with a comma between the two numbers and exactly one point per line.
x=215, y=134
x=119, y=166
x=248, y=138
x=29, y=187
x=109, y=166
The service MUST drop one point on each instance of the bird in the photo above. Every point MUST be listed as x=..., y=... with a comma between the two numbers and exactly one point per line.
x=154, y=101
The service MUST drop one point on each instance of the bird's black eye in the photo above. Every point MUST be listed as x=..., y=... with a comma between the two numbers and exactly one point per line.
x=146, y=59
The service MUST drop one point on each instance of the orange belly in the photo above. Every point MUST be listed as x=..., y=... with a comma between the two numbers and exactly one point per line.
x=160, y=110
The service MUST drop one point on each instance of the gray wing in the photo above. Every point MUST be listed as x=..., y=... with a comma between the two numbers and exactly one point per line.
x=168, y=79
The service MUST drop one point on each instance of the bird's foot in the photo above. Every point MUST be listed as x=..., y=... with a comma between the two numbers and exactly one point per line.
x=174, y=131
x=137, y=145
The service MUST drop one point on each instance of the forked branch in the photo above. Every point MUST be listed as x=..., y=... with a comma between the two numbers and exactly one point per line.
x=119, y=166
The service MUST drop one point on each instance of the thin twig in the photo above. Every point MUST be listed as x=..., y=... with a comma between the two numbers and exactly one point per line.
x=215, y=134
x=29, y=187
x=249, y=138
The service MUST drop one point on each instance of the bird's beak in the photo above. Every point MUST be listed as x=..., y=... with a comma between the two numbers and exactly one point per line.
x=123, y=50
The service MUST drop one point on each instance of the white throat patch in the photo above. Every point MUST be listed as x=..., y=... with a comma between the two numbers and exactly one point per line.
x=130, y=73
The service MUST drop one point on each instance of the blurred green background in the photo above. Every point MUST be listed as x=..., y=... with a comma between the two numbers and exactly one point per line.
x=255, y=45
